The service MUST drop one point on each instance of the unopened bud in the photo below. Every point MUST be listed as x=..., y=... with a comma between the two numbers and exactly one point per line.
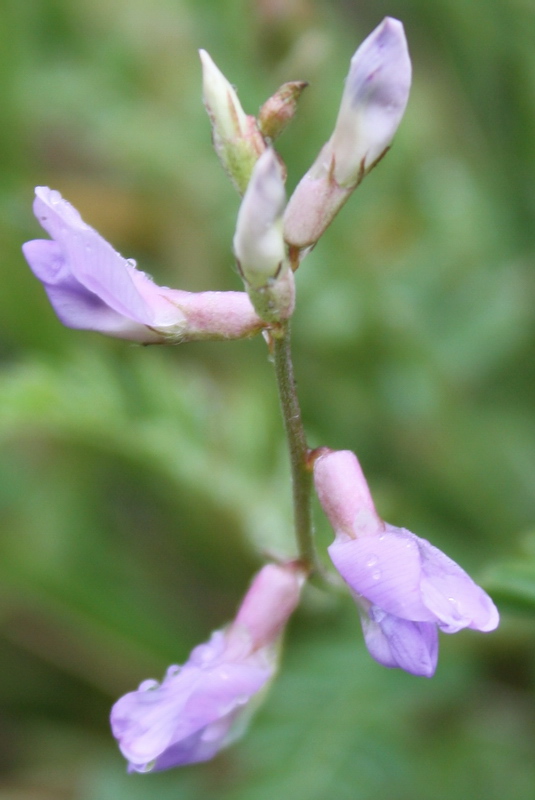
x=237, y=140
x=373, y=102
x=280, y=109
x=259, y=244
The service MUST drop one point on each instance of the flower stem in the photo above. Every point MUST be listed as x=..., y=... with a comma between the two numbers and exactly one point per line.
x=297, y=445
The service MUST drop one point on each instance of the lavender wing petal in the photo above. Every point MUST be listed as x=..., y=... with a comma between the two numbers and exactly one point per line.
x=386, y=570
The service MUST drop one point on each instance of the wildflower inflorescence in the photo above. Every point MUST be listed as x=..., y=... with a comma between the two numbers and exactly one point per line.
x=406, y=589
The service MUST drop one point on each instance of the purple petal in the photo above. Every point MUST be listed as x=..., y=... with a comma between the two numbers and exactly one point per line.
x=395, y=642
x=75, y=305
x=144, y=721
x=187, y=718
x=380, y=72
x=451, y=594
x=374, y=100
x=92, y=261
x=386, y=570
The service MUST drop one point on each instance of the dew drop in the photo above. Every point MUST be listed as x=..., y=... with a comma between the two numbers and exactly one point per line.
x=372, y=561
x=131, y=262
x=55, y=197
x=376, y=575
x=173, y=670
x=242, y=700
x=148, y=767
x=148, y=685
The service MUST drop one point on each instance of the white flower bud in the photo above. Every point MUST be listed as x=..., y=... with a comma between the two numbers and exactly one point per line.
x=259, y=243
x=373, y=102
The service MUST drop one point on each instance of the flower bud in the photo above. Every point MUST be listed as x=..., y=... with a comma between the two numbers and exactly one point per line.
x=237, y=140
x=280, y=109
x=373, y=102
x=259, y=244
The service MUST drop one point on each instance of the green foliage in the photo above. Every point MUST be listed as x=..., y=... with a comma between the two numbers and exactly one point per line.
x=139, y=486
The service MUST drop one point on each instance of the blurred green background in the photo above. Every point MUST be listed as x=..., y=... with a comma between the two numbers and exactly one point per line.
x=138, y=486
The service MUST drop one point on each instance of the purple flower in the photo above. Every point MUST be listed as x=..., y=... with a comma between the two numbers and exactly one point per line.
x=92, y=287
x=406, y=588
x=204, y=706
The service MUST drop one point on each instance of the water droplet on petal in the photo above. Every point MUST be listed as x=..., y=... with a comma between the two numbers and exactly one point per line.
x=131, y=262
x=376, y=575
x=148, y=685
x=372, y=561
x=55, y=197
x=173, y=670
x=455, y=602
x=242, y=700
x=148, y=767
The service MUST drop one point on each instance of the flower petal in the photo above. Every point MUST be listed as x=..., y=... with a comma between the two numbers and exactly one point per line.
x=451, y=594
x=386, y=570
x=76, y=306
x=148, y=723
x=395, y=642
x=92, y=261
x=374, y=100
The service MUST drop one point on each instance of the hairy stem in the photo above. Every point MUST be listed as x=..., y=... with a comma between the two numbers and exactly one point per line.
x=297, y=445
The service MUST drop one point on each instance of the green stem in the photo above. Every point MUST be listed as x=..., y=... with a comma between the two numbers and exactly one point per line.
x=297, y=444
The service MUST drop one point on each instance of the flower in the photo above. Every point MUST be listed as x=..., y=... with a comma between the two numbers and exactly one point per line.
x=204, y=706
x=373, y=102
x=406, y=588
x=92, y=287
